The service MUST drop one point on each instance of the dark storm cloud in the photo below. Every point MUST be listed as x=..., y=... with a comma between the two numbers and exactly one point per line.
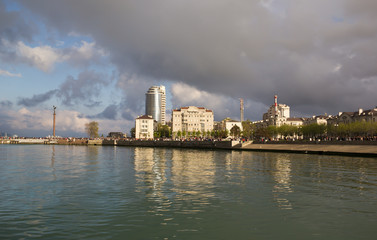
x=37, y=99
x=316, y=55
x=13, y=27
x=82, y=90
x=93, y=104
x=6, y=104
x=110, y=112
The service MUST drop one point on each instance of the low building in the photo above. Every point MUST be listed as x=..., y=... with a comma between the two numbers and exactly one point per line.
x=321, y=119
x=192, y=119
x=144, y=127
x=350, y=117
x=228, y=123
x=294, y=121
x=116, y=135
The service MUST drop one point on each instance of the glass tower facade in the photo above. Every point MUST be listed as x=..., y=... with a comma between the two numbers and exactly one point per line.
x=155, y=103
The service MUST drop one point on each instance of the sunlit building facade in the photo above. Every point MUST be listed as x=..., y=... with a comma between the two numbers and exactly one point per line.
x=144, y=127
x=190, y=119
x=155, y=103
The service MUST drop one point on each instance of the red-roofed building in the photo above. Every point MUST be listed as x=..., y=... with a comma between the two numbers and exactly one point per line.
x=144, y=127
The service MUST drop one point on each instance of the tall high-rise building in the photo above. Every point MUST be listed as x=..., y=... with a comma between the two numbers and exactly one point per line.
x=155, y=103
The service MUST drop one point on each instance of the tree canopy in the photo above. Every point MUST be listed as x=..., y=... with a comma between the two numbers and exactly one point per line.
x=235, y=131
x=92, y=129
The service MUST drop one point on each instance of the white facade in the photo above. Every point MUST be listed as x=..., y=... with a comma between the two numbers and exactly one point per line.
x=163, y=104
x=294, y=122
x=317, y=120
x=227, y=124
x=191, y=119
x=230, y=124
x=144, y=127
x=283, y=111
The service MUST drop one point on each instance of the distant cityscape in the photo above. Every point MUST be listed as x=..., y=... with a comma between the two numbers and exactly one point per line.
x=199, y=121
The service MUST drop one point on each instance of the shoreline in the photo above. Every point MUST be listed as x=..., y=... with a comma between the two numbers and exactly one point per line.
x=349, y=149
x=321, y=149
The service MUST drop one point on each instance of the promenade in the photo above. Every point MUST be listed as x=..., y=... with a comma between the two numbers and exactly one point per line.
x=334, y=149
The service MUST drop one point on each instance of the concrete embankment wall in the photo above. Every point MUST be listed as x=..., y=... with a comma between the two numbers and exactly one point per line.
x=350, y=150
x=27, y=141
x=174, y=144
x=367, y=150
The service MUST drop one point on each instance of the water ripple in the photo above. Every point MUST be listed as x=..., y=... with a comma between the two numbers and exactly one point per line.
x=65, y=192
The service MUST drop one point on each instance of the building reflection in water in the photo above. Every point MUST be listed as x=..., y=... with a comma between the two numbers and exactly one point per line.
x=91, y=162
x=177, y=181
x=283, y=185
x=150, y=170
x=193, y=172
x=235, y=164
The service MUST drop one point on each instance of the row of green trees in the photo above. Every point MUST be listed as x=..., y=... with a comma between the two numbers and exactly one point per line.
x=355, y=129
x=273, y=131
x=235, y=131
x=208, y=134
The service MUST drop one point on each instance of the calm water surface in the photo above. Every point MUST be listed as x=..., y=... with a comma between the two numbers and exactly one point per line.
x=79, y=192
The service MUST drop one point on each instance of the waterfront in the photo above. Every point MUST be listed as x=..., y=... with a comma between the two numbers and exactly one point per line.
x=107, y=192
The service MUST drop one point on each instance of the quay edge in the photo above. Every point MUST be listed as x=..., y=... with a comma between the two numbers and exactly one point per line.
x=369, y=150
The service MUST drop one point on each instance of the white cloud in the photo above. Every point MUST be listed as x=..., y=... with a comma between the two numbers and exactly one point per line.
x=45, y=57
x=88, y=50
x=25, y=119
x=222, y=106
x=8, y=74
x=84, y=53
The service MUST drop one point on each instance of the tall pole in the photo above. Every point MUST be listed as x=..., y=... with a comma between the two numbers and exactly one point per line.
x=276, y=108
x=241, y=109
x=53, y=133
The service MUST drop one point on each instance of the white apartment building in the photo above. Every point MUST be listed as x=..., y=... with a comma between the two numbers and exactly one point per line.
x=191, y=119
x=144, y=127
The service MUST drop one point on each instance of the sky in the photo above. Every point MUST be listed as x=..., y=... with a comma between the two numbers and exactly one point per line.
x=95, y=60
